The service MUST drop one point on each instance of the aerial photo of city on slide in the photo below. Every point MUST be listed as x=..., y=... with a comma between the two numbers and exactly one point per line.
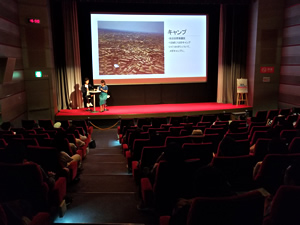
x=129, y=47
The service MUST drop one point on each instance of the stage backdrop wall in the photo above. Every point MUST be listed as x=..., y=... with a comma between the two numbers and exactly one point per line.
x=159, y=93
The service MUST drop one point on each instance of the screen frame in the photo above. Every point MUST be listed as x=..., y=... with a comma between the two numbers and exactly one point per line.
x=155, y=81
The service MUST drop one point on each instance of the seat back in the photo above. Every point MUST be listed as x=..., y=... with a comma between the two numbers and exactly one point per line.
x=26, y=141
x=285, y=206
x=23, y=181
x=220, y=131
x=202, y=151
x=209, y=118
x=9, y=137
x=143, y=121
x=214, y=139
x=180, y=140
x=257, y=128
x=175, y=131
x=171, y=182
x=288, y=135
x=176, y=120
x=137, y=148
x=124, y=122
x=238, y=170
x=272, y=113
x=261, y=148
x=294, y=146
x=51, y=133
x=260, y=116
x=150, y=154
x=205, y=124
x=238, y=136
x=246, y=209
x=194, y=119
x=46, y=124
x=284, y=112
x=28, y=124
x=242, y=147
x=157, y=121
x=256, y=135
x=3, y=143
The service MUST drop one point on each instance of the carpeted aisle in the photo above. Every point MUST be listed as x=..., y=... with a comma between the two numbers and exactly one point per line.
x=106, y=193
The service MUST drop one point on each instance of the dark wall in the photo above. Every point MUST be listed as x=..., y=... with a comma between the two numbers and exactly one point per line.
x=161, y=93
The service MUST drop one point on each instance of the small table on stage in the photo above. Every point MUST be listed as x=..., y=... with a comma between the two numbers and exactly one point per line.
x=94, y=95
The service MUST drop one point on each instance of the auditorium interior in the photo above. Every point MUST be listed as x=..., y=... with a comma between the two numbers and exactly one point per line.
x=177, y=151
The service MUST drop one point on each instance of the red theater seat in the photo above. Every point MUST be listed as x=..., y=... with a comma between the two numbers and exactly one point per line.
x=285, y=207
x=46, y=124
x=246, y=209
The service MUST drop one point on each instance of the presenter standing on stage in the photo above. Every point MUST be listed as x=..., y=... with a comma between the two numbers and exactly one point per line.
x=103, y=95
x=85, y=89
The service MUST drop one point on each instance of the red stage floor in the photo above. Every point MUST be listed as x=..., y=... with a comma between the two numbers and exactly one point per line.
x=138, y=111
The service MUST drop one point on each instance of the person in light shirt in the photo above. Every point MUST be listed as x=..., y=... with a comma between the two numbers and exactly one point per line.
x=85, y=89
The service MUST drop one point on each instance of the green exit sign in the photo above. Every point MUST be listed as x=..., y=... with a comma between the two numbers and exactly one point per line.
x=38, y=74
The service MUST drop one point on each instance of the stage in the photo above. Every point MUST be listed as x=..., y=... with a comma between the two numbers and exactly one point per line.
x=158, y=110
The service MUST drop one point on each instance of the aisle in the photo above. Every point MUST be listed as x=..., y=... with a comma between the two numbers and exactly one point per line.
x=106, y=193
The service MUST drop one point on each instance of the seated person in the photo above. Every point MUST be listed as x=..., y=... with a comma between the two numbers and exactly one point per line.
x=276, y=146
x=85, y=89
x=82, y=138
x=65, y=158
x=6, y=126
x=291, y=177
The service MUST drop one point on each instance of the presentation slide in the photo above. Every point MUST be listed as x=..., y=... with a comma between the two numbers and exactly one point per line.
x=149, y=49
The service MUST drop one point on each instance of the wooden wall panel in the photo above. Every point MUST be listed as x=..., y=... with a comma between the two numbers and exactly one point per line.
x=13, y=106
x=12, y=94
x=9, y=10
x=289, y=89
x=10, y=33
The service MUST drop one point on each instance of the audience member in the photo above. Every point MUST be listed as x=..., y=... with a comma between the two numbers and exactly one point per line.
x=291, y=177
x=275, y=146
x=6, y=126
x=79, y=141
x=234, y=127
x=65, y=158
x=15, y=153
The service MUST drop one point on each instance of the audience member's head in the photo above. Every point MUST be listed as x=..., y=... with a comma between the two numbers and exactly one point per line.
x=6, y=126
x=210, y=182
x=227, y=147
x=234, y=127
x=292, y=174
x=57, y=125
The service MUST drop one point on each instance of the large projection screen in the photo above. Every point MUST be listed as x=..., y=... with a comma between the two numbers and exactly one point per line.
x=149, y=49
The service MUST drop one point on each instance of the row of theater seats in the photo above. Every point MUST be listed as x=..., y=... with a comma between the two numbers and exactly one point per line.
x=26, y=181
x=143, y=140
